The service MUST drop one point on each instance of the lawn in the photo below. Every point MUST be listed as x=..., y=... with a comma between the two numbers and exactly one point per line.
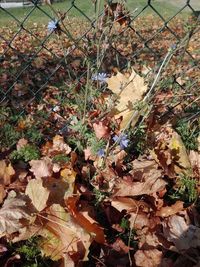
x=43, y=14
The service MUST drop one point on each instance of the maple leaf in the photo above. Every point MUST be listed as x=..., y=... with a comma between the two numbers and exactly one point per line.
x=15, y=213
x=63, y=236
x=6, y=172
x=147, y=179
x=129, y=91
x=41, y=168
x=37, y=193
x=150, y=258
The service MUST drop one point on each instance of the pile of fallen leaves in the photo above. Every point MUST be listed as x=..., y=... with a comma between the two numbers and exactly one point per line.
x=110, y=182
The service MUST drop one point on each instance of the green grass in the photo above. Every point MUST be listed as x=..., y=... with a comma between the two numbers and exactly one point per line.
x=35, y=15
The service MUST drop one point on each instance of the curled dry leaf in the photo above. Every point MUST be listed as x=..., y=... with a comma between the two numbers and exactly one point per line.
x=170, y=152
x=62, y=235
x=21, y=143
x=58, y=146
x=37, y=193
x=92, y=228
x=147, y=179
x=194, y=157
x=15, y=213
x=138, y=210
x=120, y=246
x=129, y=91
x=101, y=130
x=183, y=235
x=148, y=258
x=2, y=193
x=170, y=210
x=41, y=168
x=6, y=172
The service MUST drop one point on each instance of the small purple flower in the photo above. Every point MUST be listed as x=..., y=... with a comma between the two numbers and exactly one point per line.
x=101, y=153
x=101, y=77
x=52, y=25
x=122, y=140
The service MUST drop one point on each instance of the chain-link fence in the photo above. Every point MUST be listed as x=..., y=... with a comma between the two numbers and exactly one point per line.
x=46, y=48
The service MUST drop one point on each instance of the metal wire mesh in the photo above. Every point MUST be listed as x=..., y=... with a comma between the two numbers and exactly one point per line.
x=35, y=62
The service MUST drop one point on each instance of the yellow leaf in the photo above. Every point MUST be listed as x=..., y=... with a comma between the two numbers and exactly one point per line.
x=130, y=91
x=176, y=145
x=37, y=193
x=69, y=176
x=6, y=172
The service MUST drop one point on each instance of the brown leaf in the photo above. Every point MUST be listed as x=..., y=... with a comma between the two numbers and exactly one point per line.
x=148, y=258
x=170, y=210
x=147, y=179
x=37, y=193
x=129, y=91
x=2, y=193
x=120, y=246
x=62, y=235
x=93, y=228
x=14, y=209
x=58, y=146
x=21, y=143
x=6, y=172
x=183, y=235
x=101, y=130
x=41, y=168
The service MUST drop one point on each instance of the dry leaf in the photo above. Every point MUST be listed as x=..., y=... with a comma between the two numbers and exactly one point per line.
x=90, y=227
x=58, y=190
x=21, y=143
x=63, y=236
x=6, y=172
x=177, y=145
x=170, y=210
x=37, y=193
x=129, y=91
x=170, y=152
x=41, y=168
x=183, y=235
x=2, y=193
x=15, y=213
x=58, y=146
x=147, y=179
x=148, y=258
x=101, y=130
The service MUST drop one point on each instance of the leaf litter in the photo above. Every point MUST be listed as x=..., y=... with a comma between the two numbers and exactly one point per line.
x=89, y=196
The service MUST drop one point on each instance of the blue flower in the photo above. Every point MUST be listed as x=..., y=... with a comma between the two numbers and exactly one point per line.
x=52, y=25
x=122, y=140
x=101, y=153
x=101, y=77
